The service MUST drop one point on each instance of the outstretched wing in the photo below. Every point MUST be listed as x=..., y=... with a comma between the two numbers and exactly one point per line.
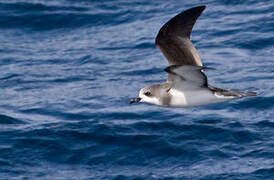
x=187, y=77
x=173, y=38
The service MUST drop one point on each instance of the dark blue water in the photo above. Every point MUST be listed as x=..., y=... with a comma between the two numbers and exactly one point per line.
x=69, y=68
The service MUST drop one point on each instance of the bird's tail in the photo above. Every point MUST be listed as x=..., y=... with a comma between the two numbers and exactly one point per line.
x=230, y=93
x=243, y=94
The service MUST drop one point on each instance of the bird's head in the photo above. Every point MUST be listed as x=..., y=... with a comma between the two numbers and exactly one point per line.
x=150, y=94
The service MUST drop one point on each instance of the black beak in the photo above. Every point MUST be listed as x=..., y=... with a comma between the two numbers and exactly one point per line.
x=134, y=100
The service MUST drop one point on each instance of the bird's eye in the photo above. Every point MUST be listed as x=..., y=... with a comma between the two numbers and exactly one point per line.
x=148, y=93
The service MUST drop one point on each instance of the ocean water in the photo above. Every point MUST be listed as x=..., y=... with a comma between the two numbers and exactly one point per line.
x=69, y=68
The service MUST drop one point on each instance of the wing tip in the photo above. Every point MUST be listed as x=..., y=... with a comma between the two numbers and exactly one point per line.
x=191, y=12
x=196, y=9
x=201, y=7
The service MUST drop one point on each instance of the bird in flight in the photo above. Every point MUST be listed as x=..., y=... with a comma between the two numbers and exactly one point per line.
x=186, y=84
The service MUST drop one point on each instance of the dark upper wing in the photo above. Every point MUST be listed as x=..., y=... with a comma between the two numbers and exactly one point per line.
x=173, y=38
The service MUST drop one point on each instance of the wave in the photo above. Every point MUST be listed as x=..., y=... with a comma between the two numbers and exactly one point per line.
x=9, y=120
x=40, y=17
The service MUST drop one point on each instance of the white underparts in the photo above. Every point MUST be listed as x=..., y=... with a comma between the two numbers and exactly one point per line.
x=195, y=97
x=177, y=98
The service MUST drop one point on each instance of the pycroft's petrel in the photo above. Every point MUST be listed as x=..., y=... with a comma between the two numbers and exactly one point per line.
x=186, y=84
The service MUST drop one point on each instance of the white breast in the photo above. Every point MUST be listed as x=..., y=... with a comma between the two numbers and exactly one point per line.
x=192, y=98
x=177, y=98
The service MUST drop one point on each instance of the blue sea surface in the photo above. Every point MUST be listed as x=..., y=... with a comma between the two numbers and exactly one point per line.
x=69, y=68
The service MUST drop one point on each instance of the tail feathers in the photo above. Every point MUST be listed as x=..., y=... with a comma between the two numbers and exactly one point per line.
x=235, y=94
x=230, y=93
x=248, y=94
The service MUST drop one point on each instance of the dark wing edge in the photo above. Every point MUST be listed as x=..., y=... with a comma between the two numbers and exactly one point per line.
x=173, y=39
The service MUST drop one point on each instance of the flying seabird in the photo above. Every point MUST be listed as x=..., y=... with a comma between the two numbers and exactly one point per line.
x=186, y=84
